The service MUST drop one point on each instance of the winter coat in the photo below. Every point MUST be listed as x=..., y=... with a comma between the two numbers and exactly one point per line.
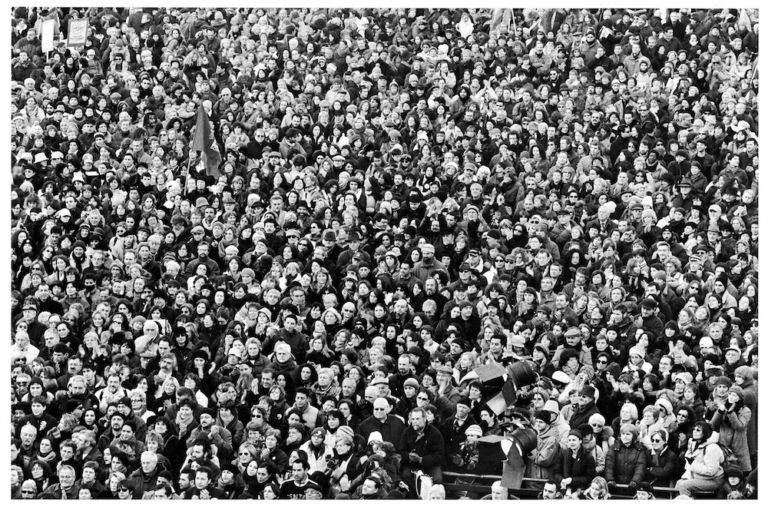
x=750, y=400
x=142, y=482
x=703, y=461
x=582, y=415
x=317, y=456
x=661, y=469
x=391, y=430
x=581, y=469
x=430, y=447
x=733, y=433
x=544, y=460
x=625, y=464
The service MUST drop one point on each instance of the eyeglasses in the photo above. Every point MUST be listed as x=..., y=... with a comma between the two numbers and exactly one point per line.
x=27, y=492
x=656, y=440
x=379, y=409
x=602, y=362
x=421, y=398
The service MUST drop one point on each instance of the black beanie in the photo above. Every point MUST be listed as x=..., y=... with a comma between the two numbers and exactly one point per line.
x=544, y=416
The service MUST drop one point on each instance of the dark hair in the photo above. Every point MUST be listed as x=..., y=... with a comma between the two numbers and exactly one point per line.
x=301, y=460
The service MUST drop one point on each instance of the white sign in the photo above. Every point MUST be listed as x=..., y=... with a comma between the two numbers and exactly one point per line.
x=46, y=35
x=78, y=32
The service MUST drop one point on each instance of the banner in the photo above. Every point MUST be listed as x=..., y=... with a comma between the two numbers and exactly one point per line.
x=204, y=142
x=46, y=35
x=77, y=32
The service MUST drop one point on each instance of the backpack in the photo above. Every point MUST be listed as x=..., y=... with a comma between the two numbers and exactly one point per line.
x=730, y=459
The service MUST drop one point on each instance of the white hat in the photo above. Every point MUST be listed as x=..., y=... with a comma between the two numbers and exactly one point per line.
x=375, y=436
x=561, y=377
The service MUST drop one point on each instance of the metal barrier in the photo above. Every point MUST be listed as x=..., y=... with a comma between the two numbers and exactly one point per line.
x=622, y=491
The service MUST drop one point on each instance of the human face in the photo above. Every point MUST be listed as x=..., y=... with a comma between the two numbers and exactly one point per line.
x=201, y=480
x=418, y=421
x=298, y=472
x=67, y=478
x=380, y=409
x=549, y=491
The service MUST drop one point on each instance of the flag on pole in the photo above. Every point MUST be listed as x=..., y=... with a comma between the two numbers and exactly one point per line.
x=204, y=142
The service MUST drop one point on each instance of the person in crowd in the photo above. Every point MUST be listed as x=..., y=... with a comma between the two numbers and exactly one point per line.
x=346, y=252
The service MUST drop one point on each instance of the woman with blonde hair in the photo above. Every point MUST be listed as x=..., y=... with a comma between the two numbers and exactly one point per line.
x=627, y=415
x=598, y=489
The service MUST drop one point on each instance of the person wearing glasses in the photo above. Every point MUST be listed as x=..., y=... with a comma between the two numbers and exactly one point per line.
x=28, y=490
x=661, y=463
x=391, y=427
x=66, y=488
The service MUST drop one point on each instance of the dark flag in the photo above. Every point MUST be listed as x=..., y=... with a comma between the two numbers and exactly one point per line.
x=205, y=143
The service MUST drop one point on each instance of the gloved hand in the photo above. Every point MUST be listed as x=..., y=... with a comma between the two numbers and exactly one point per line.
x=632, y=485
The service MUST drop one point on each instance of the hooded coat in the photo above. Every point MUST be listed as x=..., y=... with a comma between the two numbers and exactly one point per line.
x=703, y=460
x=732, y=424
x=544, y=460
x=750, y=400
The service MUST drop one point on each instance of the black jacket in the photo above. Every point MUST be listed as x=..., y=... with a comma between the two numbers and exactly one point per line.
x=661, y=469
x=391, y=430
x=430, y=447
x=624, y=464
x=581, y=470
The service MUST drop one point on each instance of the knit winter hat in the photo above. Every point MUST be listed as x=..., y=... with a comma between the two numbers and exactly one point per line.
x=475, y=430
x=413, y=383
x=345, y=431
x=544, y=416
x=737, y=390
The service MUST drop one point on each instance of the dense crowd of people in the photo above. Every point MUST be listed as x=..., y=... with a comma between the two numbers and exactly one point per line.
x=388, y=201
